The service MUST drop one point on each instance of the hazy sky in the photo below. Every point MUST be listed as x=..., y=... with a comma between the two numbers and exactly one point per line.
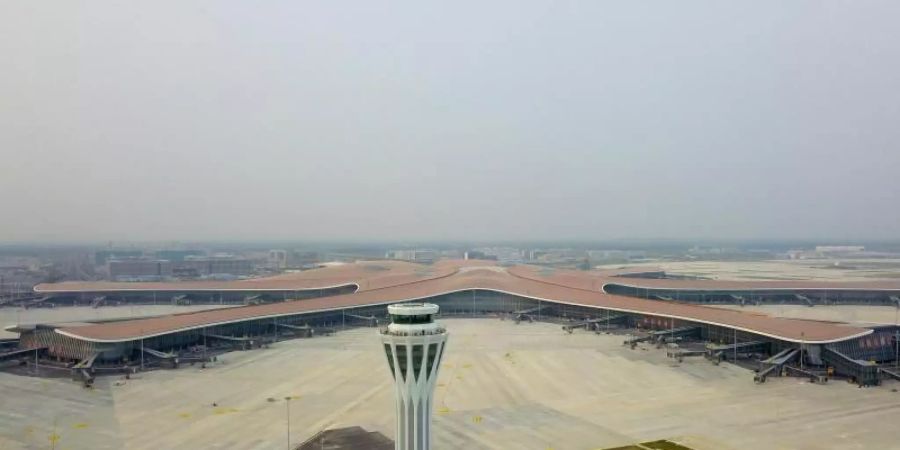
x=483, y=120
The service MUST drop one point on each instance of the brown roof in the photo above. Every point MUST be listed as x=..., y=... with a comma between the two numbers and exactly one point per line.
x=556, y=286
x=378, y=274
x=366, y=274
x=596, y=279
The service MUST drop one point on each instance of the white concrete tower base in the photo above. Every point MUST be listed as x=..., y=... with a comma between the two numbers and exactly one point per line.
x=414, y=345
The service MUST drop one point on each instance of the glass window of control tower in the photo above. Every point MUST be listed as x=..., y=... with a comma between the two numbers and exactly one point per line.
x=411, y=320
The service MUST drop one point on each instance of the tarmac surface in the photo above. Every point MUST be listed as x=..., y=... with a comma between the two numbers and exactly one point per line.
x=502, y=386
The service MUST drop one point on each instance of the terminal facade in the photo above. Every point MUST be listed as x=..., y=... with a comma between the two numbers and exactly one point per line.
x=321, y=301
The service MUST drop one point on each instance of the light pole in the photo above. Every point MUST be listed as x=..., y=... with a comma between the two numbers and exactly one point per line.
x=897, y=349
x=896, y=338
x=287, y=404
x=735, y=345
x=801, y=349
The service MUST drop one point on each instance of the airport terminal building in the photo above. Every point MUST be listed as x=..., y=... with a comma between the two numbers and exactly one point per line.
x=323, y=300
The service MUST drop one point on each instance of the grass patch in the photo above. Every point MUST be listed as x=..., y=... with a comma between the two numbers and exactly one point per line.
x=664, y=445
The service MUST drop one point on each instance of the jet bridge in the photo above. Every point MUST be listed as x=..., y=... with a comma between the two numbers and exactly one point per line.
x=806, y=300
x=634, y=341
x=717, y=353
x=98, y=301
x=681, y=353
x=593, y=324
x=370, y=321
x=889, y=373
x=741, y=300
x=15, y=354
x=167, y=360
x=865, y=373
x=86, y=363
x=813, y=376
x=304, y=330
x=527, y=314
x=8, y=344
x=22, y=299
x=774, y=365
x=662, y=335
x=38, y=301
x=84, y=370
x=240, y=342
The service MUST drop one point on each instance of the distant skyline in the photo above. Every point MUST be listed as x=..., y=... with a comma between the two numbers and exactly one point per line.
x=336, y=245
x=410, y=121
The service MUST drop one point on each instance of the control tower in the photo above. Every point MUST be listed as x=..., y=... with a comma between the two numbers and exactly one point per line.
x=414, y=344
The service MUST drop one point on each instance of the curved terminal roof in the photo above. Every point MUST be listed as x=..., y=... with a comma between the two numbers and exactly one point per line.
x=726, y=285
x=409, y=282
x=598, y=279
x=364, y=275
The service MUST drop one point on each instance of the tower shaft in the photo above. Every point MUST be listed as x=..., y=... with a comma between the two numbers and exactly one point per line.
x=414, y=345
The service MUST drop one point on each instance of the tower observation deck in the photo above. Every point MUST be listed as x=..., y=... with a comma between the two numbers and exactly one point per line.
x=414, y=345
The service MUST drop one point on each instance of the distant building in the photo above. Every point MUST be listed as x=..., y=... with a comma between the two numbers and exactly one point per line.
x=278, y=259
x=826, y=249
x=802, y=254
x=185, y=272
x=302, y=258
x=450, y=254
x=599, y=255
x=218, y=265
x=555, y=256
x=139, y=269
x=477, y=254
x=505, y=255
x=424, y=256
x=177, y=255
x=101, y=257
